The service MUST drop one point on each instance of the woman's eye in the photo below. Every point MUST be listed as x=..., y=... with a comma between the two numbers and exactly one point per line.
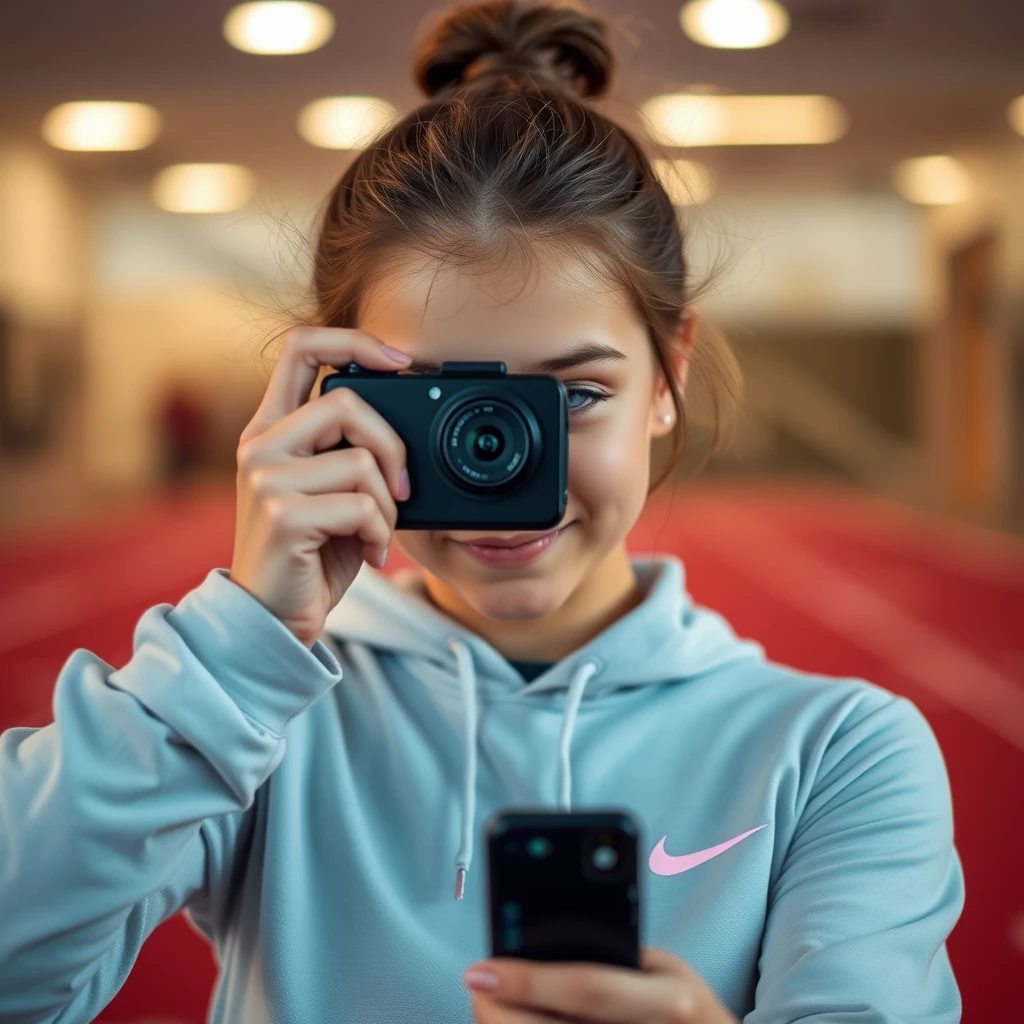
x=584, y=399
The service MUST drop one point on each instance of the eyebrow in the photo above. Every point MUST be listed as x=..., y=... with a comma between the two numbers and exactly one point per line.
x=586, y=351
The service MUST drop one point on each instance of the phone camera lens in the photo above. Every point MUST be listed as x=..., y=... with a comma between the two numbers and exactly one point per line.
x=538, y=846
x=606, y=855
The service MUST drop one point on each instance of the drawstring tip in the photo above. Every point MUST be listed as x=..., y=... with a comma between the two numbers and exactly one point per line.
x=460, y=881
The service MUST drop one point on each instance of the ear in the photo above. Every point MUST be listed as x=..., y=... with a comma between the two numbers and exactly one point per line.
x=681, y=350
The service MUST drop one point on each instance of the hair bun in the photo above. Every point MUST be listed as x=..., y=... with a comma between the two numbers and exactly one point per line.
x=557, y=44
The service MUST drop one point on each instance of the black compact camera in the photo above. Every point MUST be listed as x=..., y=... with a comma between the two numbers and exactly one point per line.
x=483, y=447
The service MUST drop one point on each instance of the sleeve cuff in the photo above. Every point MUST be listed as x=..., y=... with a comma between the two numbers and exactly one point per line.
x=269, y=673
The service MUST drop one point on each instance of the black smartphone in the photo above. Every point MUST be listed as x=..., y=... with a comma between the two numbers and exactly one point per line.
x=483, y=447
x=563, y=885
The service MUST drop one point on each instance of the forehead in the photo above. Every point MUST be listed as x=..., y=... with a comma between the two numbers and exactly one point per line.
x=513, y=313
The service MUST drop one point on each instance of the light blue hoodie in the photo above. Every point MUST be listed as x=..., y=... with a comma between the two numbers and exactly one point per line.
x=312, y=808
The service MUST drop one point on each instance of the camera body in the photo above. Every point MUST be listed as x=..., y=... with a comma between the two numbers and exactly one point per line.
x=484, y=448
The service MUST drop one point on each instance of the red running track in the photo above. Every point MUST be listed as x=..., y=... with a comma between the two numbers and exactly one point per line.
x=827, y=580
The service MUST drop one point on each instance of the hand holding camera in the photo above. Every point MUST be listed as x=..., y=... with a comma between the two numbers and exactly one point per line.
x=318, y=480
x=308, y=514
x=484, y=448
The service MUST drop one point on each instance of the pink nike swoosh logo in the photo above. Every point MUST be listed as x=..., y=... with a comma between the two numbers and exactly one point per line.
x=663, y=863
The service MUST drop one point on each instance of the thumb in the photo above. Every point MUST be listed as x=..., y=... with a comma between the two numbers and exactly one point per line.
x=659, y=961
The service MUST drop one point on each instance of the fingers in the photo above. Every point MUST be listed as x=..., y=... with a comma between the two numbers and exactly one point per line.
x=305, y=350
x=489, y=1011
x=313, y=518
x=593, y=993
x=660, y=961
x=303, y=493
x=351, y=469
x=321, y=424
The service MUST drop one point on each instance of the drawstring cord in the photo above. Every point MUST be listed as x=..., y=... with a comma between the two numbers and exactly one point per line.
x=467, y=682
x=572, y=705
x=467, y=679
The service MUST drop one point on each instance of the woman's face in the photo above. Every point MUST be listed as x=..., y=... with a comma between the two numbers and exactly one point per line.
x=616, y=397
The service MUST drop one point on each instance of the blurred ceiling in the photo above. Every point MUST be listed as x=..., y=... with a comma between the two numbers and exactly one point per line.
x=916, y=77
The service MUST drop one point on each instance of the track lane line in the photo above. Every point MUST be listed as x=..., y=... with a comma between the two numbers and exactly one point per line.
x=947, y=669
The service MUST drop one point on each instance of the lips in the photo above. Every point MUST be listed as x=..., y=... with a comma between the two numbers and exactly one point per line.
x=506, y=542
x=518, y=550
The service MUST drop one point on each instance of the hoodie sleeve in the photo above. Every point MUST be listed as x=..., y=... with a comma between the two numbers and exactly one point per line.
x=126, y=807
x=870, y=887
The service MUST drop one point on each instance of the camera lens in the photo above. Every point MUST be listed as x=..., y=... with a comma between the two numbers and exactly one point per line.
x=538, y=846
x=485, y=442
x=606, y=855
x=489, y=444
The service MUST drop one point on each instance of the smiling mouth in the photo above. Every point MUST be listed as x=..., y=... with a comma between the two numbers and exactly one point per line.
x=507, y=542
x=515, y=550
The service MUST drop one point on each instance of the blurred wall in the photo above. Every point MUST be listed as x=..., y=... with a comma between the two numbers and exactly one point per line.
x=823, y=305
x=178, y=301
x=973, y=374
x=45, y=226
x=847, y=257
x=838, y=303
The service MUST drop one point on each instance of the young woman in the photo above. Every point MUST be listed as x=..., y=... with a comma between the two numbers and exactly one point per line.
x=302, y=751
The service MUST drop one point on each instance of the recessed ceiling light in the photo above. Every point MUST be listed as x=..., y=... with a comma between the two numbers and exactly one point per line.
x=1015, y=112
x=734, y=24
x=280, y=26
x=344, y=122
x=203, y=188
x=686, y=119
x=101, y=125
x=932, y=180
x=687, y=182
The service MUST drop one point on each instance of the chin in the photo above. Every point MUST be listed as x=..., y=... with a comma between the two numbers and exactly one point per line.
x=514, y=600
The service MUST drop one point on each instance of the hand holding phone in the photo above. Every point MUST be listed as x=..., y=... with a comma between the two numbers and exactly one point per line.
x=564, y=885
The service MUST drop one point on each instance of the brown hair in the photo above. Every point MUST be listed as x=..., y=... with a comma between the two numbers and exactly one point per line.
x=505, y=154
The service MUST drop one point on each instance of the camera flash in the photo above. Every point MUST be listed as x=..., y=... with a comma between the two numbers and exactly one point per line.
x=434, y=392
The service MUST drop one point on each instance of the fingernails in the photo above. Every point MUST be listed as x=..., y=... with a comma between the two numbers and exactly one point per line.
x=383, y=559
x=403, y=485
x=396, y=354
x=481, y=979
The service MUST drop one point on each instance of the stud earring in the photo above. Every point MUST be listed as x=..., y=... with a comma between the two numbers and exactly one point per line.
x=666, y=419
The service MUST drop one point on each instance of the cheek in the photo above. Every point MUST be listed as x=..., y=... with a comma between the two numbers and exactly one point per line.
x=414, y=544
x=610, y=467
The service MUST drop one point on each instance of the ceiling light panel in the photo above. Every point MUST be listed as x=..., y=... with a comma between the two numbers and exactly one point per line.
x=734, y=24
x=278, y=27
x=101, y=125
x=344, y=122
x=203, y=188
x=688, y=119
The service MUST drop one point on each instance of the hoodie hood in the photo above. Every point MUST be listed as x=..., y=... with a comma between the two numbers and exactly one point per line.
x=665, y=639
